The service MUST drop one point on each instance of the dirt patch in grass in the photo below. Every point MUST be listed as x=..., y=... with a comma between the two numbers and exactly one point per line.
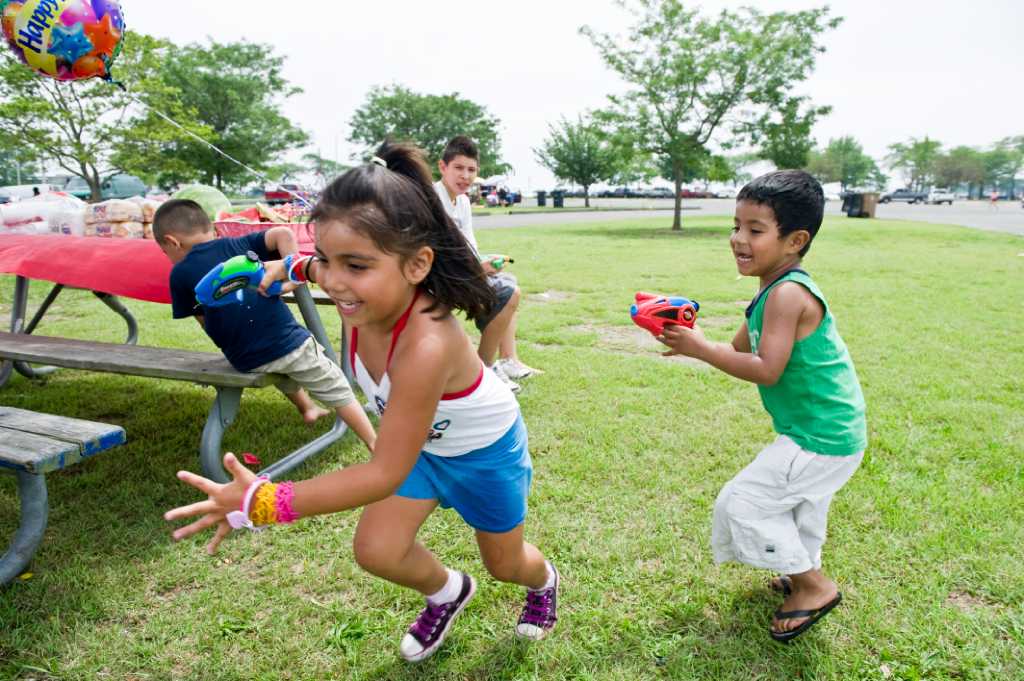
x=968, y=603
x=551, y=296
x=633, y=341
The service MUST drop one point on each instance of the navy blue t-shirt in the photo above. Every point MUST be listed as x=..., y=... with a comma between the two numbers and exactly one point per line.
x=251, y=333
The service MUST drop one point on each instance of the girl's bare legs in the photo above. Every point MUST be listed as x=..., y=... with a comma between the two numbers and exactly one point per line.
x=385, y=544
x=510, y=559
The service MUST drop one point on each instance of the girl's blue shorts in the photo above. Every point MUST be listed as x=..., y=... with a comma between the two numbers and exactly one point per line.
x=487, y=487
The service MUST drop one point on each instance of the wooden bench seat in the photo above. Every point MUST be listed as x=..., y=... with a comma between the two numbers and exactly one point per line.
x=34, y=444
x=207, y=368
x=204, y=368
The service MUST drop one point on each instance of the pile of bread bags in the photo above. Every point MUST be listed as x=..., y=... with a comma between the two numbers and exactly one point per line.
x=60, y=213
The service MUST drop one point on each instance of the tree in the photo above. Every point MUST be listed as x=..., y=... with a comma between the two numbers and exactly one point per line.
x=235, y=90
x=845, y=162
x=80, y=125
x=578, y=153
x=1000, y=166
x=916, y=159
x=324, y=168
x=784, y=135
x=687, y=75
x=18, y=164
x=1014, y=147
x=397, y=113
x=962, y=165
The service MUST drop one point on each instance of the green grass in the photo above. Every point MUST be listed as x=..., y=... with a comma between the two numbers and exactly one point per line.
x=629, y=449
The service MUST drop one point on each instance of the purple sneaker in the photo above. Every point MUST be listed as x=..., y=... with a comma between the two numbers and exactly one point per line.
x=427, y=633
x=539, y=617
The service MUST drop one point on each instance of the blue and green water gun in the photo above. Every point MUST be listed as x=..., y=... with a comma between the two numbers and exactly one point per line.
x=227, y=282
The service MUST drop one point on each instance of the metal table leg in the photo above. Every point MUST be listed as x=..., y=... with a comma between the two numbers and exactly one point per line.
x=117, y=306
x=307, y=307
x=222, y=414
x=18, y=314
x=34, y=514
x=19, y=310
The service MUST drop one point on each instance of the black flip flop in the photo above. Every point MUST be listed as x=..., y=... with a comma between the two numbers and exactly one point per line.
x=812, y=615
x=787, y=584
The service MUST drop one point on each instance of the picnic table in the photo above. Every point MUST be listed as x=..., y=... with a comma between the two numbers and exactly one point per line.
x=137, y=269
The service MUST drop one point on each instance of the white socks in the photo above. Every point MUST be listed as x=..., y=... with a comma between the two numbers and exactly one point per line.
x=450, y=591
x=551, y=578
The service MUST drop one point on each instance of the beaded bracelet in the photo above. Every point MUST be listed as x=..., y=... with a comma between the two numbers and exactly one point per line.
x=298, y=269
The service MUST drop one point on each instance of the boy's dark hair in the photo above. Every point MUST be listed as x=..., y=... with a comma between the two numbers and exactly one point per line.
x=180, y=216
x=460, y=145
x=794, y=196
x=398, y=209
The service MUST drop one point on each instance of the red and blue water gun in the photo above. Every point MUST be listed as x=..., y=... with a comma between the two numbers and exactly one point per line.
x=652, y=311
x=227, y=282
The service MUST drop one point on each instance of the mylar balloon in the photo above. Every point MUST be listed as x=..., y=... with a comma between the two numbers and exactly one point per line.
x=64, y=39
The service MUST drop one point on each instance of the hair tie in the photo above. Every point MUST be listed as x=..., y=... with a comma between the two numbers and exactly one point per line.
x=379, y=161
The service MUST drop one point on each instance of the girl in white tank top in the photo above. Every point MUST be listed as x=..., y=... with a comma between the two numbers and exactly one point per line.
x=450, y=434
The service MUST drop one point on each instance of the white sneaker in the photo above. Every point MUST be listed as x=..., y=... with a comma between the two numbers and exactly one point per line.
x=512, y=385
x=515, y=369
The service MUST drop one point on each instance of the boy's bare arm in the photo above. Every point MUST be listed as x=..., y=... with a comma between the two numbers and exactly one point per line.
x=282, y=240
x=201, y=320
x=782, y=313
x=741, y=341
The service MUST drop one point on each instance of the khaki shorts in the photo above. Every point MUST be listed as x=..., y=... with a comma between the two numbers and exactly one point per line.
x=308, y=367
x=774, y=513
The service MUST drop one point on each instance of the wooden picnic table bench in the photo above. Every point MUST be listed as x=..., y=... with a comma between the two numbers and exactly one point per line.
x=34, y=444
x=204, y=368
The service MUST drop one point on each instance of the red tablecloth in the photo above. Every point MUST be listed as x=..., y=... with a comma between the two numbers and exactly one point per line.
x=133, y=268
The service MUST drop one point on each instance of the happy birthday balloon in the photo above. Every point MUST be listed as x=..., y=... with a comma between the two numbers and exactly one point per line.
x=64, y=39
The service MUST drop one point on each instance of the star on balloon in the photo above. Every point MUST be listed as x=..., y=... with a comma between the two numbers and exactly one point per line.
x=104, y=35
x=69, y=43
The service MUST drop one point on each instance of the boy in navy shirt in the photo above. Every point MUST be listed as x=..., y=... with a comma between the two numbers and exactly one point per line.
x=259, y=334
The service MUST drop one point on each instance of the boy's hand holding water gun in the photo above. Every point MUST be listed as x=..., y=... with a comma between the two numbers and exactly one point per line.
x=495, y=262
x=672, y=320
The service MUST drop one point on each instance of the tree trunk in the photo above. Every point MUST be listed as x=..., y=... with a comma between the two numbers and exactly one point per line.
x=677, y=223
x=586, y=196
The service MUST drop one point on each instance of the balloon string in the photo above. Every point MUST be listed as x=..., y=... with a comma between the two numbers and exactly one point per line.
x=199, y=139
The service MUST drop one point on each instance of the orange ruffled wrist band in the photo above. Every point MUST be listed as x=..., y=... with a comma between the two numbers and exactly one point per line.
x=272, y=504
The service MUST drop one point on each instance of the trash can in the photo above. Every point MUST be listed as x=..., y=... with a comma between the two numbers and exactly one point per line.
x=558, y=199
x=542, y=198
x=869, y=202
x=860, y=204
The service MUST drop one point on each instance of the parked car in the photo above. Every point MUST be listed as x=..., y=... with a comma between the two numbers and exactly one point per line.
x=906, y=195
x=119, y=186
x=695, y=194
x=940, y=195
x=659, y=193
x=285, y=193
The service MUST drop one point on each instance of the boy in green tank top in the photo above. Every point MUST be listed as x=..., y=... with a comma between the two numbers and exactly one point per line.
x=773, y=514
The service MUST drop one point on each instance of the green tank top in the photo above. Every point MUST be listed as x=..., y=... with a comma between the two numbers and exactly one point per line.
x=817, y=401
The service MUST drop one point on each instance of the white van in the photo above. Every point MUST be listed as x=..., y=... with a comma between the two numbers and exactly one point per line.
x=16, y=192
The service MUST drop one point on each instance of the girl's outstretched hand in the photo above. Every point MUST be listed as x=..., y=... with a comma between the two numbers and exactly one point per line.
x=222, y=500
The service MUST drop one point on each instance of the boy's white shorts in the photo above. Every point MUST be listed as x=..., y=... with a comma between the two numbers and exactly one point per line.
x=308, y=367
x=774, y=513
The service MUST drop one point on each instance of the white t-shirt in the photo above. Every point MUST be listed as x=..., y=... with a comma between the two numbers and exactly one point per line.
x=460, y=211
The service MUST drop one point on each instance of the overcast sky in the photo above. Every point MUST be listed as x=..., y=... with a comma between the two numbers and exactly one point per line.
x=949, y=69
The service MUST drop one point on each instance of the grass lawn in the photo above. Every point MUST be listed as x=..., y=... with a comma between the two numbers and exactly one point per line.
x=630, y=450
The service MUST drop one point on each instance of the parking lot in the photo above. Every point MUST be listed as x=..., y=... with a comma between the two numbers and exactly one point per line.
x=1008, y=217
